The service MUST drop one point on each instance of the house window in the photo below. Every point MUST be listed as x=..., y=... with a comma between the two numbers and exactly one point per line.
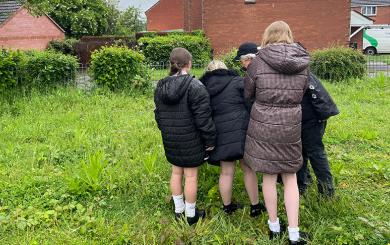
x=369, y=10
x=250, y=1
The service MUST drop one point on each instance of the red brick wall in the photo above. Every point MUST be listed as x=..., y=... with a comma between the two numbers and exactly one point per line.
x=24, y=31
x=315, y=23
x=193, y=13
x=382, y=15
x=197, y=14
x=166, y=15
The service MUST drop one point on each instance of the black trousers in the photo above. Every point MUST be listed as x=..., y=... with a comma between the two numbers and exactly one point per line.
x=313, y=150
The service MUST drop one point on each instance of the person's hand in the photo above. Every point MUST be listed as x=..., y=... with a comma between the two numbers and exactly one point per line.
x=210, y=148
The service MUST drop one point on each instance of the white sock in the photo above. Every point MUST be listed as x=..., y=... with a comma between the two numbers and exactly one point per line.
x=274, y=226
x=293, y=234
x=190, y=209
x=179, y=203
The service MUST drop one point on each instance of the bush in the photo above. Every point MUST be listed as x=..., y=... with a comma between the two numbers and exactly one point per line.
x=119, y=67
x=228, y=59
x=158, y=49
x=11, y=68
x=49, y=68
x=338, y=64
x=67, y=46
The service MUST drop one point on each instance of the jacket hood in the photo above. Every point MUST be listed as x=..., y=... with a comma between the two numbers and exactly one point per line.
x=171, y=89
x=216, y=81
x=286, y=58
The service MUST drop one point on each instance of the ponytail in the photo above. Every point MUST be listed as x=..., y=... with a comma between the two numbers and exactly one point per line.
x=175, y=68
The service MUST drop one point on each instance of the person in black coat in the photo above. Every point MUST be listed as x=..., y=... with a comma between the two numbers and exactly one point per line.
x=317, y=107
x=231, y=118
x=183, y=115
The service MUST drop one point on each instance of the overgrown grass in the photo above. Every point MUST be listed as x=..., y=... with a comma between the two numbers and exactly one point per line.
x=158, y=74
x=89, y=168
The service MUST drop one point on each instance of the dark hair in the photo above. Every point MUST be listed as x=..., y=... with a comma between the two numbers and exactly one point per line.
x=180, y=57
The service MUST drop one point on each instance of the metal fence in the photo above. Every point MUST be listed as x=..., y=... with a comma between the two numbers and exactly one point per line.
x=161, y=69
x=378, y=64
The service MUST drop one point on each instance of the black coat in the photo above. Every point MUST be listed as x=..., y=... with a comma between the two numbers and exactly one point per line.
x=317, y=104
x=183, y=115
x=230, y=114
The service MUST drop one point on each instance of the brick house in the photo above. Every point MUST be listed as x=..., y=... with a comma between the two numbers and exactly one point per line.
x=377, y=10
x=166, y=15
x=21, y=30
x=315, y=23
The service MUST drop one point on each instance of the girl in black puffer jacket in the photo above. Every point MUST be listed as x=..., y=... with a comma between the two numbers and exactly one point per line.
x=231, y=118
x=183, y=115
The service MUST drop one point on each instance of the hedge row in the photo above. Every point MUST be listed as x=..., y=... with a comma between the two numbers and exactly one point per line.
x=67, y=46
x=338, y=64
x=158, y=49
x=333, y=64
x=119, y=67
x=34, y=68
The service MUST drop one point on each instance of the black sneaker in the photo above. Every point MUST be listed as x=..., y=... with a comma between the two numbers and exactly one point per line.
x=303, y=239
x=276, y=235
x=179, y=216
x=257, y=209
x=231, y=208
x=199, y=213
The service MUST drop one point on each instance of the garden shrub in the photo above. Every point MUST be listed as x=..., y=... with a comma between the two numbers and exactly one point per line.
x=67, y=46
x=119, y=67
x=228, y=59
x=338, y=64
x=11, y=68
x=158, y=49
x=49, y=68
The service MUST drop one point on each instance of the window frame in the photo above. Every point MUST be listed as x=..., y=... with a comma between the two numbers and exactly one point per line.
x=372, y=8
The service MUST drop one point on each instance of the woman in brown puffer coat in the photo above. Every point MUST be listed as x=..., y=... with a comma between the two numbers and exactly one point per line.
x=276, y=81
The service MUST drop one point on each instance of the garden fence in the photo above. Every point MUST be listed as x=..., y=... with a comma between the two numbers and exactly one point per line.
x=378, y=64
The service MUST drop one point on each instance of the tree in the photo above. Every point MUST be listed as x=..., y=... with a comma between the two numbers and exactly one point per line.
x=90, y=17
x=130, y=22
x=77, y=17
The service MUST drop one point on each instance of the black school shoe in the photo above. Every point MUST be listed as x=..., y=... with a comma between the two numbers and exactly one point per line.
x=199, y=213
x=179, y=216
x=257, y=209
x=303, y=238
x=276, y=235
x=231, y=208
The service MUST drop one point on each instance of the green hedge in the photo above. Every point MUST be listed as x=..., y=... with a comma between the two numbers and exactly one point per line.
x=338, y=64
x=119, y=67
x=50, y=68
x=228, y=59
x=11, y=68
x=158, y=49
x=67, y=46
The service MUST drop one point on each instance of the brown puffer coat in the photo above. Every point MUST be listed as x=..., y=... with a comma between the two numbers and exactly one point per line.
x=276, y=81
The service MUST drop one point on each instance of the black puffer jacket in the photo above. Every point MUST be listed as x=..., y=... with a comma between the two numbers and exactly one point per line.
x=317, y=104
x=230, y=115
x=183, y=115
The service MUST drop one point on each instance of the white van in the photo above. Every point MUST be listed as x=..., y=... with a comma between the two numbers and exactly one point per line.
x=376, y=40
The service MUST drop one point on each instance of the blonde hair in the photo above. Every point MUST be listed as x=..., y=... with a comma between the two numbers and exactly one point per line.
x=215, y=65
x=277, y=32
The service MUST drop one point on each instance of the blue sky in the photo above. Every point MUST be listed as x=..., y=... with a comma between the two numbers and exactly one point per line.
x=142, y=4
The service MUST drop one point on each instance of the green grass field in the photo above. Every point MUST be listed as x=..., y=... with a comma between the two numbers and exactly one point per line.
x=156, y=75
x=89, y=168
